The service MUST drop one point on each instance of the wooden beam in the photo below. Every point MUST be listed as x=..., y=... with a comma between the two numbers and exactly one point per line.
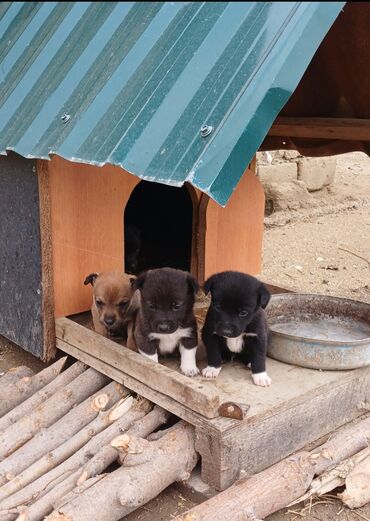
x=185, y=390
x=322, y=128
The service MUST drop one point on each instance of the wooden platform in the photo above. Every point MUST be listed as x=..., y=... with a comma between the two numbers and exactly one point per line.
x=301, y=405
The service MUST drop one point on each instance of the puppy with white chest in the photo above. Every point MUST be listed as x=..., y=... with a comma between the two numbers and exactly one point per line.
x=236, y=324
x=113, y=304
x=165, y=321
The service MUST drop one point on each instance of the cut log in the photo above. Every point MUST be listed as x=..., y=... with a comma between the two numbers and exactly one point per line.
x=333, y=478
x=357, y=492
x=48, y=439
x=92, y=470
x=278, y=486
x=260, y=495
x=64, y=451
x=50, y=411
x=13, y=375
x=345, y=442
x=39, y=487
x=42, y=395
x=20, y=390
x=169, y=459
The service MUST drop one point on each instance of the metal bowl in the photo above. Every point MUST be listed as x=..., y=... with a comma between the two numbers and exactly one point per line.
x=318, y=331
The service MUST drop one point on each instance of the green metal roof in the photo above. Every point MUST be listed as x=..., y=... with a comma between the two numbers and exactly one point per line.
x=132, y=83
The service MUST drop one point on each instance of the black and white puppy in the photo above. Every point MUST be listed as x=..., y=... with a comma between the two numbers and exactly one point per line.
x=236, y=323
x=166, y=320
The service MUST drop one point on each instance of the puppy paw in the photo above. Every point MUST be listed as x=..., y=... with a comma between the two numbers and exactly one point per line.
x=211, y=372
x=190, y=371
x=261, y=379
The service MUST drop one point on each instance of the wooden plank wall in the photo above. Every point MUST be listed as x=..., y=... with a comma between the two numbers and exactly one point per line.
x=87, y=208
x=25, y=287
x=234, y=234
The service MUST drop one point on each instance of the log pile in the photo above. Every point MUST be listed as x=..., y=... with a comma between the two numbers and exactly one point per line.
x=343, y=460
x=75, y=445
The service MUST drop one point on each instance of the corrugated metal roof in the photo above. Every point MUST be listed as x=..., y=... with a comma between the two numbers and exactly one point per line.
x=132, y=83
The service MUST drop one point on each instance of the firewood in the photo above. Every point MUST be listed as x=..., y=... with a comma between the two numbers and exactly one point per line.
x=48, y=439
x=357, y=492
x=20, y=390
x=104, y=457
x=42, y=395
x=13, y=375
x=47, y=481
x=259, y=495
x=171, y=458
x=283, y=483
x=334, y=477
x=345, y=442
x=47, y=413
x=64, y=451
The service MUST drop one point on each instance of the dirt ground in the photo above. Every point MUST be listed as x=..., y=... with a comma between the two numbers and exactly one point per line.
x=321, y=248
x=325, y=248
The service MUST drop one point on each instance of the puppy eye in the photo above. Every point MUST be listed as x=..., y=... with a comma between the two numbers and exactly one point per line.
x=151, y=306
x=243, y=313
x=123, y=303
x=217, y=307
x=99, y=302
x=176, y=306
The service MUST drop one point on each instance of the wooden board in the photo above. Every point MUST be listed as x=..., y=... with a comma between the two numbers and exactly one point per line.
x=233, y=235
x=322, y=128
x=49, y=350
x=290, y=384
x=157, y=376
x=301, y=406
x=24, y=285
x=254, y=446
x=87, y=208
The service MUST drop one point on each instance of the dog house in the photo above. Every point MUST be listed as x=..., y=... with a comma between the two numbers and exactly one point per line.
x=138, y=124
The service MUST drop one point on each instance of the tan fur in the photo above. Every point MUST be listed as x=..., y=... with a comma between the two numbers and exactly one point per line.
x=112, y=288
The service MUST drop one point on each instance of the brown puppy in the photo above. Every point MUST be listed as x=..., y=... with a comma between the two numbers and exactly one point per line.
x=113, y=304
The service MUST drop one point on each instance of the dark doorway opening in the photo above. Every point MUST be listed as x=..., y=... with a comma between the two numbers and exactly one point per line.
x=158, y=223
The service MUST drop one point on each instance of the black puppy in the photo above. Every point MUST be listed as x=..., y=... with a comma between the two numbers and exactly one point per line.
x=236, y=323
x=165, y=320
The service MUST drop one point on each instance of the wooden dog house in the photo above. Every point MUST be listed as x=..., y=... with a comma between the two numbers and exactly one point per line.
x=96, y=97
x=88, y=234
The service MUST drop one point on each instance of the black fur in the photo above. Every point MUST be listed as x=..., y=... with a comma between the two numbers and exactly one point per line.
x=237, y=307
x=167, y=299
x=90, y=279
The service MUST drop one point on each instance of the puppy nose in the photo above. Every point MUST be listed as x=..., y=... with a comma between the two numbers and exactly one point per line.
x=109, y=321
x=163, y=327
x=228, y=331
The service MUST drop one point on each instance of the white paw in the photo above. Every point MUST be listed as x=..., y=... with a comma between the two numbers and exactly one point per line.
x=154, y=357
x=261, y=379
x=188, y=365
x=211, y=372
x=189, y=371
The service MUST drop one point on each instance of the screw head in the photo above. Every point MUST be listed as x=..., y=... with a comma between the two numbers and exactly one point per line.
x=206, y=130
x=65, y=118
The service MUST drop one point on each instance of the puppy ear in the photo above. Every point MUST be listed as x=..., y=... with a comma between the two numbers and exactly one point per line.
x=208, y=284
x=193, y=283
x=132, y=282
x=90, y=279
x=263, y=296
x=138, y=283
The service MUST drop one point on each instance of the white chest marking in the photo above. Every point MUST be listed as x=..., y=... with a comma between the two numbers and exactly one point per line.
x=235, y=345
x=168, y=342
